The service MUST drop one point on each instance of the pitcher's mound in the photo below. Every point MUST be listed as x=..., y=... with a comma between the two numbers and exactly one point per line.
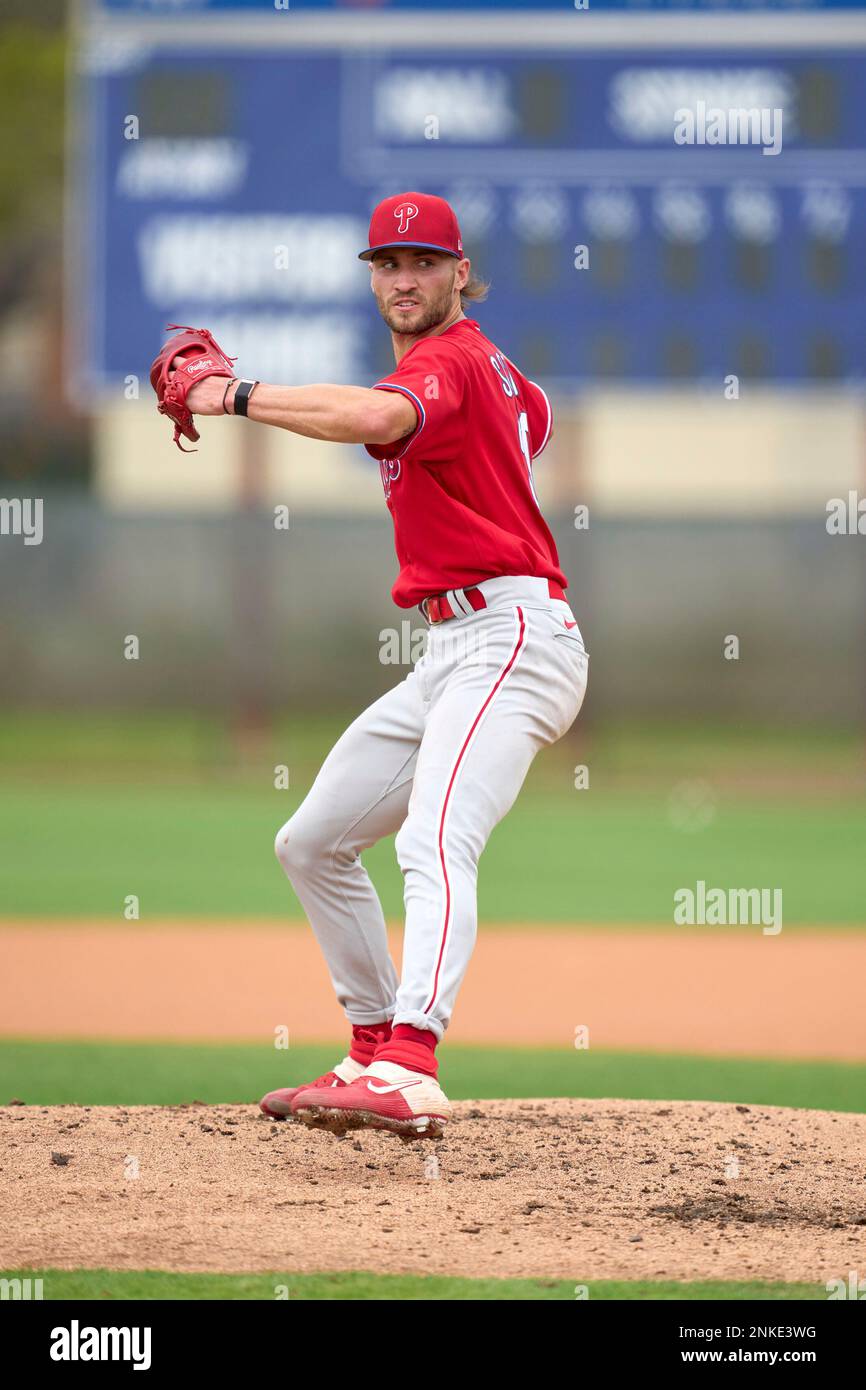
x=575, y=1189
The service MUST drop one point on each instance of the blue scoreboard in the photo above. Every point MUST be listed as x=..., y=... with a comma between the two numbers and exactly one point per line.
x=230, y=184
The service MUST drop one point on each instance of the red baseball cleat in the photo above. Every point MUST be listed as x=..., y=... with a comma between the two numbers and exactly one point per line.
x=278, y=1104
x=385, y=1096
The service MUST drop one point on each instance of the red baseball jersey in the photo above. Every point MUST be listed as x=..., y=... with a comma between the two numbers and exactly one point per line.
x=460, y=486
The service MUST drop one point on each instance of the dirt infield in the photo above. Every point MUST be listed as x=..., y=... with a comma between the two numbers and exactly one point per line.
x=715, y=990
x=545, y=1188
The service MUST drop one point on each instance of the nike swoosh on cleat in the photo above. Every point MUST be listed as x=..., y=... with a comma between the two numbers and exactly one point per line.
x=392, y=1086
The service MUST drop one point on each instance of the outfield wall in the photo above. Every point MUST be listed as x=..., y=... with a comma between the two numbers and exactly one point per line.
x=230, y=611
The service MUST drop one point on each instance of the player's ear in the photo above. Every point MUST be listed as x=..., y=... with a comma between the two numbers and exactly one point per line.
x=464, y=268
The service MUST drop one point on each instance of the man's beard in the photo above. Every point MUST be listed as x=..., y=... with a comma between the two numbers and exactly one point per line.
x=430, y=316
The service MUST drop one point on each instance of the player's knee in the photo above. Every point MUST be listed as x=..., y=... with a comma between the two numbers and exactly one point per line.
x=417, y=844
x=405, y=842
x=415, y=841
x=298, y=848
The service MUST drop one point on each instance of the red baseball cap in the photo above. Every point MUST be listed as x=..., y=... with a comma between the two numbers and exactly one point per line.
x=414, y=219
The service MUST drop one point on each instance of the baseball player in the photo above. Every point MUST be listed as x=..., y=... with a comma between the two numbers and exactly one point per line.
x=441, y=758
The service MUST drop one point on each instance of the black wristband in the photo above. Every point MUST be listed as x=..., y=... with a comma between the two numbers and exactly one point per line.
x=242, y=395
x=229, y=386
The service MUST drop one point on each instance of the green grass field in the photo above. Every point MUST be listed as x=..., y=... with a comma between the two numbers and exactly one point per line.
x=110, y=1285
x=599, y=857
x=99, y=1073
x=158, y=809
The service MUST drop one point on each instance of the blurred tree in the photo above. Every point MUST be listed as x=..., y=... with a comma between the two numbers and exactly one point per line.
x=43, y=439
x=32, y=94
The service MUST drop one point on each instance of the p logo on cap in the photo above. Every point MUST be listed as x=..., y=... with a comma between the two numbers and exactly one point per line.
x=404, y=212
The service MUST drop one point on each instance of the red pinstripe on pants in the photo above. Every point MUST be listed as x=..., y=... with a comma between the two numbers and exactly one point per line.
x=503, y=675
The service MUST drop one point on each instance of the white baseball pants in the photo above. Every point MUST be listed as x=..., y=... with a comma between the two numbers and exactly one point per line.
x=440, y=759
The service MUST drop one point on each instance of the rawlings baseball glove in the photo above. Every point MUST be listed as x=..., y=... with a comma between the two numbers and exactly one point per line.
x=203, y=357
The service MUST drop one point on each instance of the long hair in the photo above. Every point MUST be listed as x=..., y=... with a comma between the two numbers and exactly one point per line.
x=474, y=290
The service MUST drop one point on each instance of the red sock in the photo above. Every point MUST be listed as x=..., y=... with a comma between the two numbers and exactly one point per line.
x=410, y=1047
x=366, y=1037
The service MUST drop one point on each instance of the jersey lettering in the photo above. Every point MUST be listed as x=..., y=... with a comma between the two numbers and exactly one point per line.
x=500, y=366
x=523, y=437
x=389, y=471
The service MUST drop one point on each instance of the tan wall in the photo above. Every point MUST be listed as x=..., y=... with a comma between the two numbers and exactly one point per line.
x=621, y=451
x=138, y=466
x=769, y=453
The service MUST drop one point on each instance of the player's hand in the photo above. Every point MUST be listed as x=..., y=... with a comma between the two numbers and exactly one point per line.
x=206, y=397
